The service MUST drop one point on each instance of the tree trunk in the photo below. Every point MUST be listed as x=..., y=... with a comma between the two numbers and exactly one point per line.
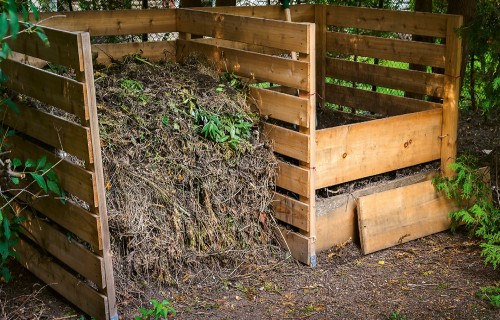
x=420, y=6
x=468, y=9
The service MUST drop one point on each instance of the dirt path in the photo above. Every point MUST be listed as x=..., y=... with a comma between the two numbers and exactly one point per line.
x=431, y=278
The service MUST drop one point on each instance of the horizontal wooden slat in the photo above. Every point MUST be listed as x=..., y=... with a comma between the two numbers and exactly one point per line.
x=52, y=130
x=288, y=142
x=269, y=33
x=63, y=48
x=70, y=216
x=407, y=80
x=364, y=149
x=281, y=106
x=241, y=46
x=291, y=211
x=47, y=87
x=114, y=22
x=63, y=282
x=422, y=53
x=299, y=13
x=250, y=65
x=68, y=251
x=399, y=215
x=72, y=178
x=154, y=51
x=293, y=178
x=425, y=24
x=377, y=102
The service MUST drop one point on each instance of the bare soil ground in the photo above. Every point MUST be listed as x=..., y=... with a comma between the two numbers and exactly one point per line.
x=436, y=277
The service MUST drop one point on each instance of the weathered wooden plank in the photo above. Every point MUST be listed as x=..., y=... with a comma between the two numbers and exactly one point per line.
x=47, y=87
x=114, y=22
x=288, y=142
x=72, y=178
x=400, y=215
x=336, y=219
x=70, y=216
x=422, y=53
x=291, y=211
x=63, y=282
x=63, y=47
x=407, y=80
x=258, y=31
x=424, y=24
x=241, y=46
x=249, y=64
x=364, y=149
x=297, y=243
x=52, y=130
x=300, y=13
x=281, y=106
x=68, y=251
x=293, y=178
x=154, y=51
x=452, y=94
x=97, y=167
x=377, y=102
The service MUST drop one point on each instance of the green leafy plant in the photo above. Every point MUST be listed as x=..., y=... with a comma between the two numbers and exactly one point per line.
x=159, y=310
x=396, y=315
x=228, y=128
x=490, y=294
x=476, y=209
x=229, y=79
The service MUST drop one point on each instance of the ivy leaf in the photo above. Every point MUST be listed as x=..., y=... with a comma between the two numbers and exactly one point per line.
x=42, y=37
x=40, y=181
x=41, y=162
x=13, y=21
x=12, y=106
x=29, y=163
x=14, y=180
x=34, y=9
x=16, y=162
x=6, y=274
x=6, y=228
x=4, y=249
x=4, y=25
x=25, y=13
x=54, y=187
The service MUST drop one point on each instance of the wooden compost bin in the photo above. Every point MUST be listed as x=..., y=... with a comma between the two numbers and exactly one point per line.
x=254, y=43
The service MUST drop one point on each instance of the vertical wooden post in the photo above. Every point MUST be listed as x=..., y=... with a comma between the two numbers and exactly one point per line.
x=86, y=75
x=320, y=19
x=453, y=60
x=311, y=131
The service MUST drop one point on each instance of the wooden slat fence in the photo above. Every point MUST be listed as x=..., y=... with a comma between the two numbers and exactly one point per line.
x=63, y=261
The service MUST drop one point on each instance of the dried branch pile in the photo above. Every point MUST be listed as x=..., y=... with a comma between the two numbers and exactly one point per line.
x=179, y=203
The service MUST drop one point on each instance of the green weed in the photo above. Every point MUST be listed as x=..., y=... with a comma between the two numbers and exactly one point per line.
x=159, y=310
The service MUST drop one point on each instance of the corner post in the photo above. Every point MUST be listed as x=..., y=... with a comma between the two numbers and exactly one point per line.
x=310, y=95
x=452, y=94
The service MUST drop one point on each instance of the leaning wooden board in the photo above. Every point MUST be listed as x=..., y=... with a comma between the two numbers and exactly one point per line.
x=399, y=215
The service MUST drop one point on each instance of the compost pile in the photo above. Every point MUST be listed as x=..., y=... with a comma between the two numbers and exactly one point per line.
x=189, y=181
